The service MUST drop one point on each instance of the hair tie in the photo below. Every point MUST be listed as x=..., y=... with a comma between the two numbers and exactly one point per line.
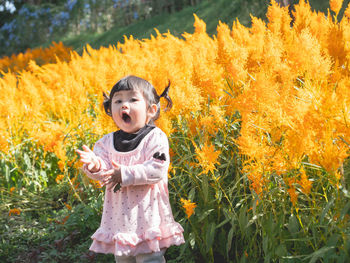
x=165, y=95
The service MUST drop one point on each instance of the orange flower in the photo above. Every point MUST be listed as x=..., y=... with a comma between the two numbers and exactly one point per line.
x=61, y=165
x=12, y=189
x=293, y=195
x=63, y=221
x=336, y=5
x=59, y=178
x=95, y=183
x=291, y=190
x=305, y=183
x=68, y=206
x=14, y=211
x=207, y=157
x=347, y=11
x=188, y=206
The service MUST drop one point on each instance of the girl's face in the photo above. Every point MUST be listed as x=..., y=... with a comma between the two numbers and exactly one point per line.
x=130, y=111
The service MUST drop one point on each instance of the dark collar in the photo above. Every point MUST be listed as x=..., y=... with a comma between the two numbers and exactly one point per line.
x=126, y=142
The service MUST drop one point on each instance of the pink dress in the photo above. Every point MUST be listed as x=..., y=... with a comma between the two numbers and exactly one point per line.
x=136, y=219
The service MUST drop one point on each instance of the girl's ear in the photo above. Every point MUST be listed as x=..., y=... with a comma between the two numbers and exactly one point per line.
x=152, y=111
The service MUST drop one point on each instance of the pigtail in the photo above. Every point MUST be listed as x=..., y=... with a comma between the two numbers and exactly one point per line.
x=107, y=104
x=165, y=95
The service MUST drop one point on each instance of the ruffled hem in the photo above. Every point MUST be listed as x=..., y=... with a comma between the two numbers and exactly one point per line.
x=130, y=244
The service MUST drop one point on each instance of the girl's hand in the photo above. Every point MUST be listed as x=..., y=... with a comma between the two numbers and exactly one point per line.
x=89, y=158
x=112, y=177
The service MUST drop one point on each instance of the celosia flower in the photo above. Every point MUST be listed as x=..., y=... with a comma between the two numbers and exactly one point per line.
x=291, y=190
x=95, y=183
x=61, y=165
x=188, y=206
x=207, y=157
x=305, y=183
x=14, y=211
x=59, y=178
x=347, y=11
x=336, y=5
x=68, y=206
x=293, y=195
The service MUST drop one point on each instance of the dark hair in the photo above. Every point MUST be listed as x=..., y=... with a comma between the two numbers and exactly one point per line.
x=135, y=83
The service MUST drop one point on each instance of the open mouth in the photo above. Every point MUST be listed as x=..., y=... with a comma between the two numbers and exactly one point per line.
x=126, y=118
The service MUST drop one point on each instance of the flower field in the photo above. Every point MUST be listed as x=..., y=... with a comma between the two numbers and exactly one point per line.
x=259, y=135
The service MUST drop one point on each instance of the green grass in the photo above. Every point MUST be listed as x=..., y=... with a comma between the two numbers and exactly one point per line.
x=177, y=23
x=211, y=11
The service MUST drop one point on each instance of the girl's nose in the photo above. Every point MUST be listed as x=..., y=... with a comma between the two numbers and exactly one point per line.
x=125, y=106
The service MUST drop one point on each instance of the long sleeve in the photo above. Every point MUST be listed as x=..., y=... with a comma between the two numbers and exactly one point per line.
x=153, y=169
x=100, y=149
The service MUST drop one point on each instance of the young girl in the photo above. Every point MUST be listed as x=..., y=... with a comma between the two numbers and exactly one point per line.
x=137, y=223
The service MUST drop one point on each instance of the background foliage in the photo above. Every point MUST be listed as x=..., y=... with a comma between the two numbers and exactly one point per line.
x=259, y=137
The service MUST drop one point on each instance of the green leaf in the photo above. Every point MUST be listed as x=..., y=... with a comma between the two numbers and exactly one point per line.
x=229, y=240
x=254, y=218
x=210, y=236
x=205, y=214
x=192, y=240
x=293, y=224
x=192, y=193
x=26, y=159
x=265, y=245
x=344, y=211
x=319, y=253
x=205, y=188
x=7, y=173
x=242, y=219
x=325, y=210
x=281, y=250
x=223, y=222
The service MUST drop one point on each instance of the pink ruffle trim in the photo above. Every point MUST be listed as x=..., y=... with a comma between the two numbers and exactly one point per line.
x=152, y=240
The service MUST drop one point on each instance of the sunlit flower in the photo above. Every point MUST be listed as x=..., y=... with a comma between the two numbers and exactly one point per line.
x=14, y=211
x=59, y=178
x=305, y=183
x=188, y=206
x=95, y=183
x=335, y=5
x=347, y=11
x=61, y=165
x=291, y=190
x=207, y=157
x=293, y=195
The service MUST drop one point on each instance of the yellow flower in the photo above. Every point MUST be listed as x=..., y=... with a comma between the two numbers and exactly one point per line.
x=59, y=178
x=188, y=206
x=14, y=211
x=291, y=190
x=336, y=5
x=347, y=11
x=305, y=183
x=61, y=165
x=96, y=183
x=207, y=157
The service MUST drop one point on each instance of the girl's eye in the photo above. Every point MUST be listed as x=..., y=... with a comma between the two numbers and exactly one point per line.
x=134, y=99
x=118, y=101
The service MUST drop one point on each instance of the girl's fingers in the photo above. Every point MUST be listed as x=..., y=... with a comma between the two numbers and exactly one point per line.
x=108, y=173
x=107, y=180
x=87, y=149
x=90, y=166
